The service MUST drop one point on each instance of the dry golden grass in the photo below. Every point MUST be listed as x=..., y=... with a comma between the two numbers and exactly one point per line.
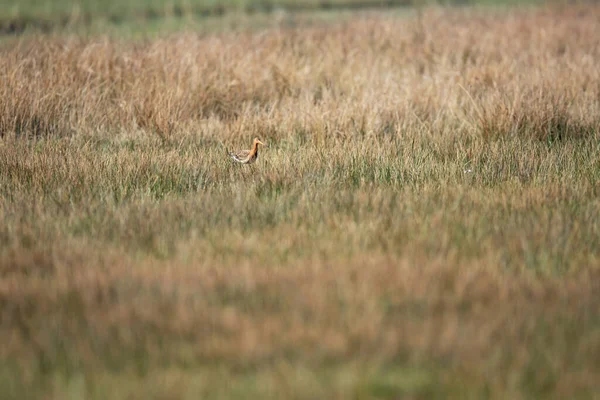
x=423, y=224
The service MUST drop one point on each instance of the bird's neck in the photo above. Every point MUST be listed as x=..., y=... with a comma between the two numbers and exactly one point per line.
x=255, y=148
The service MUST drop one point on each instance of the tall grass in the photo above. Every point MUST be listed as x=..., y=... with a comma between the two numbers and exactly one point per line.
x=422, y=224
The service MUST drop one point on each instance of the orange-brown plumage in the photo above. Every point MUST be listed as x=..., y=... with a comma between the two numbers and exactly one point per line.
x=247, y=156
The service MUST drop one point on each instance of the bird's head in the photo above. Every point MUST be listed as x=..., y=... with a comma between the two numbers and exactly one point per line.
x=258, y=141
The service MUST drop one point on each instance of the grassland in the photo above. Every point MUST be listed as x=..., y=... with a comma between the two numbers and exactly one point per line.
x=423, y=224
x=143, y=16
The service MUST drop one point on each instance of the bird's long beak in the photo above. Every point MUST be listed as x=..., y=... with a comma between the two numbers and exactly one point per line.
x=259, y=142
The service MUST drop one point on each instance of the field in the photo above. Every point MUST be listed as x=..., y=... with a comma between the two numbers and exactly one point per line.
x=424, y=222
x=142, y=18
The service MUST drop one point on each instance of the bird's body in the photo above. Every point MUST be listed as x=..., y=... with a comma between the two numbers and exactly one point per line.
x=247, y=156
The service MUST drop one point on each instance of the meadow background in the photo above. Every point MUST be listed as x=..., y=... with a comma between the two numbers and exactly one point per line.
x=423, y=224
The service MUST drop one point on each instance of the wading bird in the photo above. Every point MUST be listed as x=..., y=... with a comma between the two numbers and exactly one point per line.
x=247, y=156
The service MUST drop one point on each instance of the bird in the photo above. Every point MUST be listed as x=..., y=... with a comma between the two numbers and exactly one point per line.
x=247, y=156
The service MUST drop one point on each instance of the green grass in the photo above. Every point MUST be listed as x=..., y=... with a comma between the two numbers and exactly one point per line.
x=164, y=179
x=148, y=16
x=157, y=216
x=50, y=9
